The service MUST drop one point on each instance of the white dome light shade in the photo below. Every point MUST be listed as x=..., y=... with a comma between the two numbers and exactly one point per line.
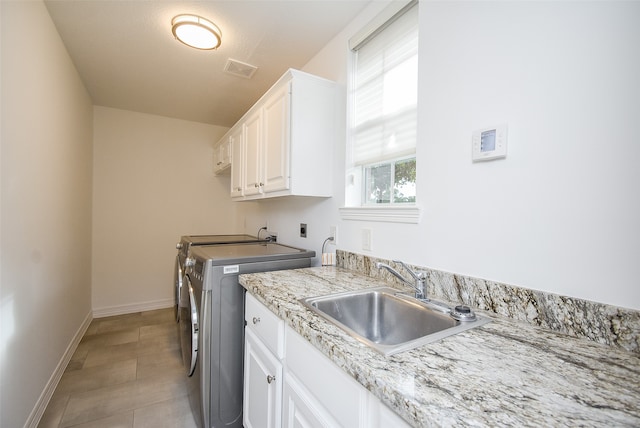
x=197, y=32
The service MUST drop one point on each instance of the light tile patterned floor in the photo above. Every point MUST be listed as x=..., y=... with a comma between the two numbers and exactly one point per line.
x=127, y=372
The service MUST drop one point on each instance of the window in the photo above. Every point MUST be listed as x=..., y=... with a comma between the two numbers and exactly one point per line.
x=390, y=182
x=384, y=87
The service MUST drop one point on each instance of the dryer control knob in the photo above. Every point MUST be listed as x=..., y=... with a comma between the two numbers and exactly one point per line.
x=179, y=246
x=189, y=262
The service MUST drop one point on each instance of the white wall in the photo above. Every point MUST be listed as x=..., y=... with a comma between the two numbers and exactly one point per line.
x=45, y=296
x=560, y=213
x=153, y=182
x=285, y=215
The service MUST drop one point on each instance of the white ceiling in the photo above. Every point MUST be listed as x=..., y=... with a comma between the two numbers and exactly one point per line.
x=128, y=59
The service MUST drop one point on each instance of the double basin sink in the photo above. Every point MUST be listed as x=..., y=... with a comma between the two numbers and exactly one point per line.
x=389, y=321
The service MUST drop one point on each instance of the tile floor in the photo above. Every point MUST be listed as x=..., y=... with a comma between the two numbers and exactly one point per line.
x=126, y=372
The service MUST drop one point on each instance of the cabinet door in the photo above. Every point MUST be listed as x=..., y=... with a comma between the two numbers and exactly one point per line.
x=237, y=161
x=348, y=407
x=300, y=409
x=217, y=161
x=262, y=405
x=225, y=156
x=380, y=416
x=221, y=156
x=252, y=154
x=276, y=141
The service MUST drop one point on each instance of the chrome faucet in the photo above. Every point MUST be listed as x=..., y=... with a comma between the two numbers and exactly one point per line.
x=419, y=277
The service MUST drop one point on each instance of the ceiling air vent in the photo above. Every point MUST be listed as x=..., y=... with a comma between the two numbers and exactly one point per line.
x=238, y=68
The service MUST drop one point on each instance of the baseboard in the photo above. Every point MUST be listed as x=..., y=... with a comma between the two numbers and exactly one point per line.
x=47, y=393
x=133, y=308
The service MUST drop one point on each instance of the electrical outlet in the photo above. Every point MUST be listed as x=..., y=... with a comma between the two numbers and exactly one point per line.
x=366, y=239
x=303, y=230
x=333, y=233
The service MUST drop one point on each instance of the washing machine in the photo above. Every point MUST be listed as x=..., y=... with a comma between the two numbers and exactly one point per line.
x=212, y=323
x=189, y=241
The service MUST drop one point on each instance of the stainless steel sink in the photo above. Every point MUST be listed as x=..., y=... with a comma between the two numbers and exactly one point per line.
x=389, y=321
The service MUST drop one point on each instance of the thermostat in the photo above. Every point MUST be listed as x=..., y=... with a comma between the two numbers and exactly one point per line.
x=489, y=143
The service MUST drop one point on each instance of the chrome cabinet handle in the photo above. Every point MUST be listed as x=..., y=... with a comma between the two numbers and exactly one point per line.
x=256, y=320
x=270, y=378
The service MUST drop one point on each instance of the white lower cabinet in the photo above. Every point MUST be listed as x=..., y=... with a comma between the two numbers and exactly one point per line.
x=380, y=416
x=301, y=409
x=263, y=371
x=313, y=391
x=262, y=385
x=333, y=394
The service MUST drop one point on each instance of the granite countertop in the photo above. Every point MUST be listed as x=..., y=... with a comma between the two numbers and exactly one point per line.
x=505, y=373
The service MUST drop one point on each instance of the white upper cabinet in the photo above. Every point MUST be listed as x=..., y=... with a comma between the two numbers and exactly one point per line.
x=276, y=141
x=263, y=371
x=252, y=130
x=222, y=156
x=237, y=154
x=287, y=140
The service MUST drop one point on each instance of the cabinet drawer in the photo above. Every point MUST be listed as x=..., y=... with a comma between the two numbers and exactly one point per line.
x=266, y=325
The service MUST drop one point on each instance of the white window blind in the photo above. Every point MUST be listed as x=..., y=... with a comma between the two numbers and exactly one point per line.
x=385, y=91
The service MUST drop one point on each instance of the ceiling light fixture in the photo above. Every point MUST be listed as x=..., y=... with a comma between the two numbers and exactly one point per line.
x=197, y=32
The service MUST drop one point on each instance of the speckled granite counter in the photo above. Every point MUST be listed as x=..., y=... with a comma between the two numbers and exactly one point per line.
x=505, y=373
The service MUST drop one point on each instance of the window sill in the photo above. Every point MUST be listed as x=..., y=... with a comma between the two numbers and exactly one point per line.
x=389, y=214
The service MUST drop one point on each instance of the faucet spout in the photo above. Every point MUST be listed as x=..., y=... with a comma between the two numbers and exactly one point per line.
x=393, y=272
x=420, y=278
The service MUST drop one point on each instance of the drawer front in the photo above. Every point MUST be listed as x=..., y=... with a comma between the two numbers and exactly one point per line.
x=266, y=325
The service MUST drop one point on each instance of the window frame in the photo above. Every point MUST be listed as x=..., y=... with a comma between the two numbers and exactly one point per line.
x=356, y=207
x=392, y=173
